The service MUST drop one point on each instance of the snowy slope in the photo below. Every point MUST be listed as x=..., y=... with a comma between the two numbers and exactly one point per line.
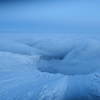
x=54, y=67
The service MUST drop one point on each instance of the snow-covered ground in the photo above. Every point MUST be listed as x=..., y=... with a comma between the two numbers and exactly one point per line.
x=49, y=67
x=49, y=49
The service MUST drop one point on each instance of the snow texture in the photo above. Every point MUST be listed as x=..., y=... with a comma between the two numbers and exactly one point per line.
x=54, y=67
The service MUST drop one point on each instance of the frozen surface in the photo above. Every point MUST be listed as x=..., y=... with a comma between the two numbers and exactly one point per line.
x=54, y=67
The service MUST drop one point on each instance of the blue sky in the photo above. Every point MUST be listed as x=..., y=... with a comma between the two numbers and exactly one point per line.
x=75, y=16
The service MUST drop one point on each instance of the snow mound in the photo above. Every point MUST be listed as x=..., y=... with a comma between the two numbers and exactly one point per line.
x=49, y=68
x=70, y=57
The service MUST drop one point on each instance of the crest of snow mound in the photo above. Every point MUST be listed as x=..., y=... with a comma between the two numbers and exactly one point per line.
x=72, y=56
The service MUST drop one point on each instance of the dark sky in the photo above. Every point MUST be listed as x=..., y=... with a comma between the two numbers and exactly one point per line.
x=14, y=1
x=39, y=0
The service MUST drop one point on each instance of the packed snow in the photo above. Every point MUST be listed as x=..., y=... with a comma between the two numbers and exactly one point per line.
x=54, y=67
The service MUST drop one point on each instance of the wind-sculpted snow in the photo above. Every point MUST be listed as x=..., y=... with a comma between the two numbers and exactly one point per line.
x=72, y=58
x=58, y=67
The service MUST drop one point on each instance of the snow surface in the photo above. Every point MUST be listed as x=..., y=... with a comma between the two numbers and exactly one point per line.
x=54, y=67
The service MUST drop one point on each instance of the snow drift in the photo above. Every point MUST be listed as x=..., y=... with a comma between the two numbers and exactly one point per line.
x=54, y=67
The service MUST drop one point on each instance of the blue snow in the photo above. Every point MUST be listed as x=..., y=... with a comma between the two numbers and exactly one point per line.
x=49, y=50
